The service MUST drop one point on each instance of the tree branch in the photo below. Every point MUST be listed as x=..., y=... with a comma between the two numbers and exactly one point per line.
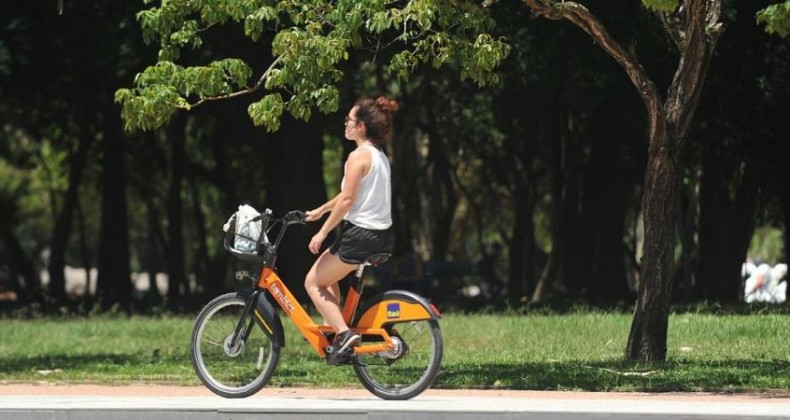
x=703, y=30
x=581, y=17
x=673, y=24
x=242, y=92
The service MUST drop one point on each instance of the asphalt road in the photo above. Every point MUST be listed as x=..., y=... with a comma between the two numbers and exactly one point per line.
x=25, y=402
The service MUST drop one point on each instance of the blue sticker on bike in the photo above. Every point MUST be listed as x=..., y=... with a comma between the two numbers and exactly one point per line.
x=393, y=310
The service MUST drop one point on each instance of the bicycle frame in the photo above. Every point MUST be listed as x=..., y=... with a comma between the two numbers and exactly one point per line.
x=370, y=322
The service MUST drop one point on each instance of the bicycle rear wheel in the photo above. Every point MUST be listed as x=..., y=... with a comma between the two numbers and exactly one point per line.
x=410, y=368
x=227, y=370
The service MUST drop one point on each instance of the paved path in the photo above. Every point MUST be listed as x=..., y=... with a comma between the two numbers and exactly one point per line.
x=31, y=402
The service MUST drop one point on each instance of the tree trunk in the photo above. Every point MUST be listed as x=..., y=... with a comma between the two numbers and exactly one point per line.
x=213, y=279
x=114, y=282
x=177, y=281
x=570, y=222
x=785, y=200
x=294, y=178
x=604, y=228
x=406, y=207
x=62, y=229
x=553, y=268
x=647, y=340
x=611, y=283
x=522, y=247
x=87, y=260
x=202, y=262
x=19, y=263
x=151, y=254
x=606, y=189
x=149, y=158
x=687, y=230
x=443, y=197
x=727, y=220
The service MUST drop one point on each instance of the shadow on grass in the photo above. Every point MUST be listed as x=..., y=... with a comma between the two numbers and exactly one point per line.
x=725, y=376
x=713, y=375
x=86, y=363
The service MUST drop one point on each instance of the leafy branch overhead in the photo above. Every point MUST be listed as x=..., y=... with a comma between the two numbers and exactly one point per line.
x=310, y=39
x=776, y=18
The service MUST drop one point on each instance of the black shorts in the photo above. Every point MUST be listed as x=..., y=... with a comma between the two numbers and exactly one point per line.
x=356, y=244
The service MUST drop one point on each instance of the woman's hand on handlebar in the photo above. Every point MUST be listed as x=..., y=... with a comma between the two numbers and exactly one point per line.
x=313, y=215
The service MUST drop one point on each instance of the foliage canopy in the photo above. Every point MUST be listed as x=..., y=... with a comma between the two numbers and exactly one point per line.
x=309, y=40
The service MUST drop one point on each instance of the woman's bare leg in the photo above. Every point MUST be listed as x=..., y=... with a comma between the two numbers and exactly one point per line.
x=334, y=290
x=321, y=285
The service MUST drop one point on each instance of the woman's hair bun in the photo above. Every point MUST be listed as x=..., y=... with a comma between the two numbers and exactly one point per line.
x=387, y=104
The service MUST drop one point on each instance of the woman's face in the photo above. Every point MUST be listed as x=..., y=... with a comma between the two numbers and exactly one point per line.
x=355, y=129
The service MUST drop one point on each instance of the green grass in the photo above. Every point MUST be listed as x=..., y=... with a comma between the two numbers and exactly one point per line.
x=576, y=351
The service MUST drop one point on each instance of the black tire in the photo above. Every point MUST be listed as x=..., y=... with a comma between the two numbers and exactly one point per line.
x=228, y=373
x=405, y=375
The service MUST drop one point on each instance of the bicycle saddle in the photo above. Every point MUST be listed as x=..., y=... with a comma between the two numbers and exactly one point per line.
x=379, y=258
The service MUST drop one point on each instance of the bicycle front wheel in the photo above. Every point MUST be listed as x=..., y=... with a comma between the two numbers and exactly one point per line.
x=231, y=370
x=410, y=368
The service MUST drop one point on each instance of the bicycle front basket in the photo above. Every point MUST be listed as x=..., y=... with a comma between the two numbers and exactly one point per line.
x=244, y=231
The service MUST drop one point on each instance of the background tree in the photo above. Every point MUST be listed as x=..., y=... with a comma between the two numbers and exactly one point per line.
x=547, y=166
x=736, y=167
x=309, y=41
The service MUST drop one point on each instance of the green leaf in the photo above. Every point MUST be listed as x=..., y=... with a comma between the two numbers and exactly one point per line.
x=253, y=23
x=187, y=35
x=267, y=111
x=379, y=22
x=326, y=99
x=661, y=5
x=776, y=19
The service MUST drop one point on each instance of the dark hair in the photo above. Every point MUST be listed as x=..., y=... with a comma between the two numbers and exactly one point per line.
x=377, y=116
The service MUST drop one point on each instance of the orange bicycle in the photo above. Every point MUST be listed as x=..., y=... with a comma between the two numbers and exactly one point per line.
x=398, y=358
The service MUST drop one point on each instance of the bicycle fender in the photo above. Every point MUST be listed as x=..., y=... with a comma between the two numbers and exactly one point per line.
x=269, y=321
x=394, y=306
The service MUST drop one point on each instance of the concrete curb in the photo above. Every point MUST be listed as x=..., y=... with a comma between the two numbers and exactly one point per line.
x=67, y=407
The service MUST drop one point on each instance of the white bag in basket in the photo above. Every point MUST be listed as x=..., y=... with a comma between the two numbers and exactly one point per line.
x=247, y=233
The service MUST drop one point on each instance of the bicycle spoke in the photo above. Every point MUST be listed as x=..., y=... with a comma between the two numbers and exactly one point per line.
x=230, y=370
x=410, y=369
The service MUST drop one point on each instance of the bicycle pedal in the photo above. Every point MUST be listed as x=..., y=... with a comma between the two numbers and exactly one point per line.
x=344, y=358
x=335, y=360
x=345, y=361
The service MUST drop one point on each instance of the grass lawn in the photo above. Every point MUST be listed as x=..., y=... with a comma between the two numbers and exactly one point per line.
x=576, y=351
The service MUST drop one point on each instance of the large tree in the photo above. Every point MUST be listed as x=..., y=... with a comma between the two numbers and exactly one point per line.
x=695, y=27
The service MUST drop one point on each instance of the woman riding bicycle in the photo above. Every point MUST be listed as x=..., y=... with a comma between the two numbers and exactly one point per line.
x=364, y=208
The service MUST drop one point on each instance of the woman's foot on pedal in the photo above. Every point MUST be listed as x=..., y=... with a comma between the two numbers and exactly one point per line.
x=343, y=348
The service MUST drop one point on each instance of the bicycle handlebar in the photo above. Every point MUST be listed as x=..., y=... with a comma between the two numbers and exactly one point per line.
x=295, y=216
x=290, y=218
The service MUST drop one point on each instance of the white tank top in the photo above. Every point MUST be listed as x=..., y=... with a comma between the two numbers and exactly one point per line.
x=373, y=207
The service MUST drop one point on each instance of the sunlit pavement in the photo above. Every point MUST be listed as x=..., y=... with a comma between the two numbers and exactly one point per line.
x=357, y=405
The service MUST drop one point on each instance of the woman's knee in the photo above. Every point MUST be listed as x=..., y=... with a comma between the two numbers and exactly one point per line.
x=311, y=281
